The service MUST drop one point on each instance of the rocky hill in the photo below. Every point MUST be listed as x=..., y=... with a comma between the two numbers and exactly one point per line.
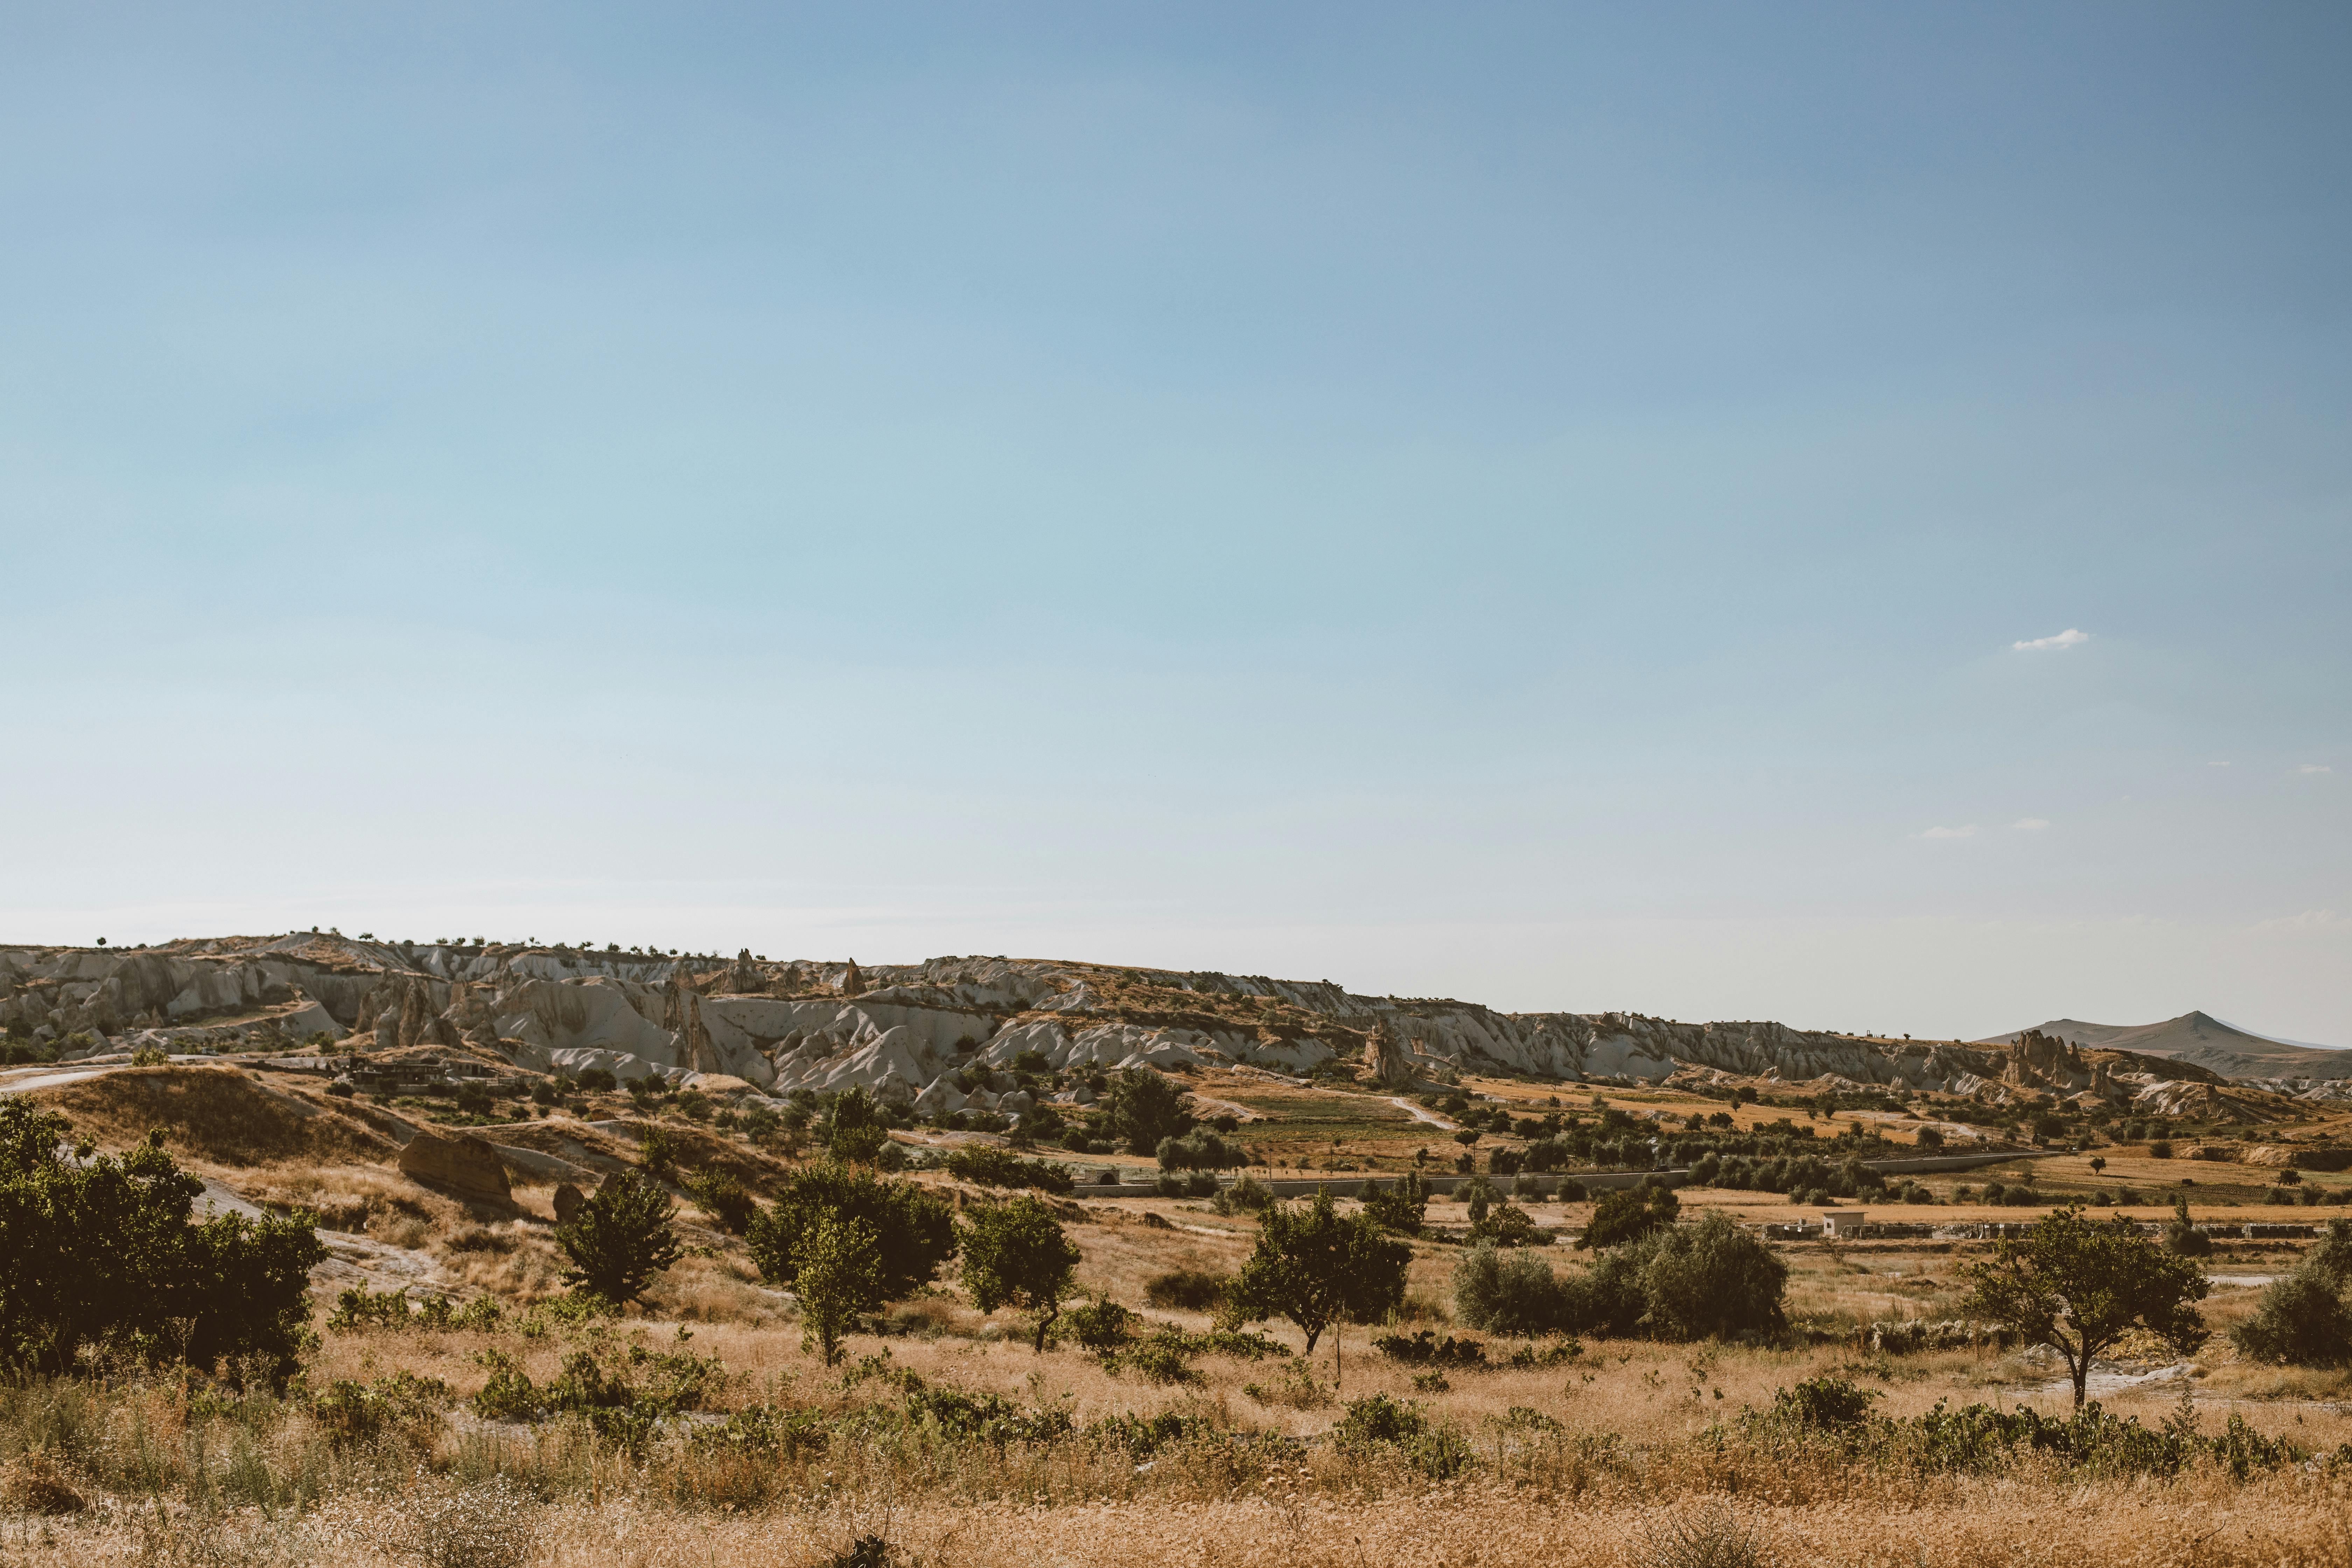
x=940, y=1035
x=2206, y=1041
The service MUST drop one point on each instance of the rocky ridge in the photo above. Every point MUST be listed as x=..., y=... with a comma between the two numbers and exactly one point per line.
x=940, y=1035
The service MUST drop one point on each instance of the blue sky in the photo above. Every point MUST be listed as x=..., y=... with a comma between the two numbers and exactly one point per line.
x=1534, y=504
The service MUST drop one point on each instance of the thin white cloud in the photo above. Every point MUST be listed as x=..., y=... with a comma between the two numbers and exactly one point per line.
x=2315, y=768
x=1967, y=832
x=2216, y=764
x=2030, y=823
x=2068, y=639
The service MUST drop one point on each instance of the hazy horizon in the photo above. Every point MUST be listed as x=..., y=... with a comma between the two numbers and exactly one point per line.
x=1814, y=513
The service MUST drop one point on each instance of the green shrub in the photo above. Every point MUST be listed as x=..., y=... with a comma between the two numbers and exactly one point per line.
x=1247, y=1196
x=1825, y=1404
x=989, y=1166
x=1102, y=1327
x=1507, y=1292
x=1628, y=1214
x=105, y=1249
x=1508, y=1226
x=2301, y=1320
x=915, y=1229
x=1199, y=1150
x=1164, y=1358
x=1425, y=1349
x=619, y=1239
x=1712, y=1278
x=722, y=1196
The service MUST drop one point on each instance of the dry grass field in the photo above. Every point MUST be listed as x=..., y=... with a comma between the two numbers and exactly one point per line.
x=1606, y=1452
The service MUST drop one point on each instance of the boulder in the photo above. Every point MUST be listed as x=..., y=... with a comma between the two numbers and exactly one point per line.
x=568, y=1199
x=464, y=1167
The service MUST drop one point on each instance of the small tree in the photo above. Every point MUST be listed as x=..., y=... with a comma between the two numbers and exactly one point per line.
x=1316, y=1268
x=2079, y=1287
x=1141, y=1108
x=1015, y=1254
x=838, y=1274
x=620, y=1238
x=1402, y=1208
x=857, y=1129
x=914, y=1230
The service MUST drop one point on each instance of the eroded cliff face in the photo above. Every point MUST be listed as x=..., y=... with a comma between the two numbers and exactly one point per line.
x=941, y=1034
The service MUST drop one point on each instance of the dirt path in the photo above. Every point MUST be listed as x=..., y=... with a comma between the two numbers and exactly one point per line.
x=1422, y=1113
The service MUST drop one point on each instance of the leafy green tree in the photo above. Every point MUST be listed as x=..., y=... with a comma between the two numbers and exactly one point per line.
x=838, y=1268
x=1317, y=1269
x=1402, y=1207
x=1142, y=1107
x=104, y=1249
x=2080, y=1286
x=619, y=1239
x=857, y=1128
x=1629, y=1214
x=1015, y=1254
x=914, y=1230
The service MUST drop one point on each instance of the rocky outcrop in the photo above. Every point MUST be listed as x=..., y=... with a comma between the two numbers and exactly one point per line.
x=463, y=1166
x=568, y=1199
x=1387, y=1061
x=930, y=1033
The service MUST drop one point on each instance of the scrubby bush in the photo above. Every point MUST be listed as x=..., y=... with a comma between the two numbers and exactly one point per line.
x=2182, y=1237
x=1187, y=1289
x=1629, y=1215
x=1507, y=1292
x=1425, y=1349
x=1508, y=1226
x=1199, y=1150
x=1102, y=1327
x=990, y=1166
x=1712, y=1278
x=722, y=1196
x=2301, y=1320
x=1247, y=1196
x=104, y=1249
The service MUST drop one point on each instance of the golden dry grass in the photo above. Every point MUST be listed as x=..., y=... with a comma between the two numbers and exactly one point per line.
x=1639, y=1424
